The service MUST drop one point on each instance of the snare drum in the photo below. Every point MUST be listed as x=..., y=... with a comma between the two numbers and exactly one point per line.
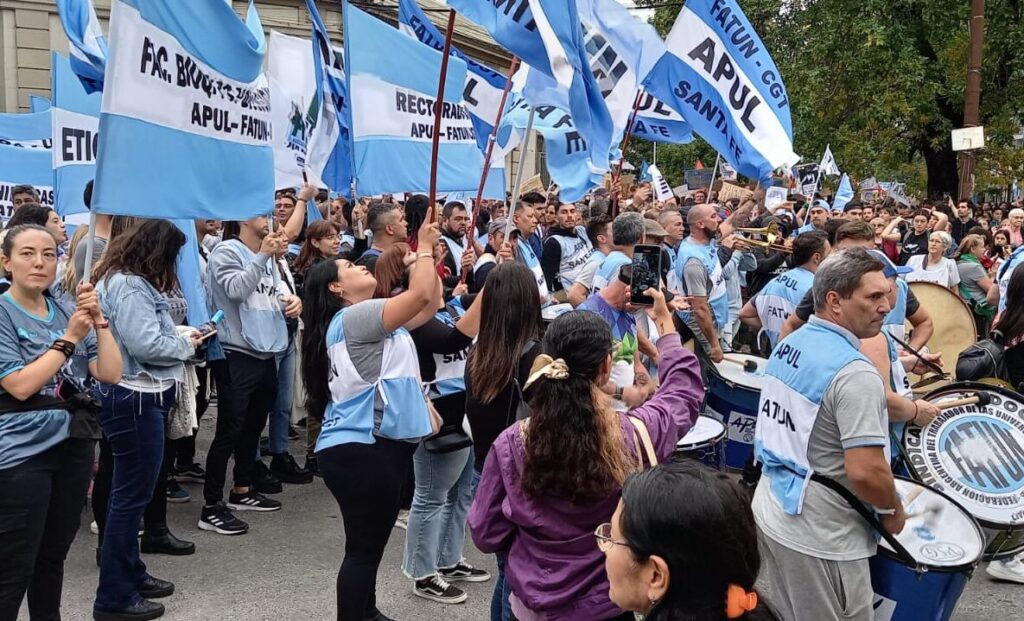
x=732, y=399
x=944, y=541
x=976, y=456
x=704, y=442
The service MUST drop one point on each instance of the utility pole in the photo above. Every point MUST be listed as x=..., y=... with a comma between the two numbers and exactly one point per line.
x=972, y=93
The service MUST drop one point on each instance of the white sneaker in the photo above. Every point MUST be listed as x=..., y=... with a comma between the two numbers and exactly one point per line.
x=403, y=520
x=1010, y=570
x=94, y=528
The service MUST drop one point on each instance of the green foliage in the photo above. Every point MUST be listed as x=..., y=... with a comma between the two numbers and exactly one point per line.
x=882, y=81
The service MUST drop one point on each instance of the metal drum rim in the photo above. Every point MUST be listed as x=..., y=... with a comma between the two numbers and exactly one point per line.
x=944, y=569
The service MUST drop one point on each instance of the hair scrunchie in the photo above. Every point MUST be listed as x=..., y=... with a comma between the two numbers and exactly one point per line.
x=546, y=366
x=738, y=601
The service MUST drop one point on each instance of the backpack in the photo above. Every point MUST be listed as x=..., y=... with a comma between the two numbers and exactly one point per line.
x=984, y=359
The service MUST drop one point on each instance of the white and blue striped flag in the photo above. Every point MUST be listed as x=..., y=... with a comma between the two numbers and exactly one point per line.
x=76, y=119
x=844, y=194
x=25, y=141
x=88, y=46
x=185, y=128
x=718, y=74
x=329, y=152
x=393, y=79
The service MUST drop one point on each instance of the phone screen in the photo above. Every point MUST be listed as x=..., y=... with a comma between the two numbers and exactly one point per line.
x=646, y=274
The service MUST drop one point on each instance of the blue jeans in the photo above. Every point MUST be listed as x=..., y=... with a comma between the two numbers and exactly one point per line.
x=134, y=424
x=436, y=534
x=501, y=607
x=281, y=413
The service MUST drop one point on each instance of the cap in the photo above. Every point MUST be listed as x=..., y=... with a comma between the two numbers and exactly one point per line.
x=821, y=204
x=890, y=269
x=496, y=225
x=653, y=229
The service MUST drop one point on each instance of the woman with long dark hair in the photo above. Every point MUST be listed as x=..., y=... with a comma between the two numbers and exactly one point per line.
x=44, y=217
x=359, y=366
x=322, y=243
x=137, y=280
x=48, y=353
x=550, y=480
x=682, y=545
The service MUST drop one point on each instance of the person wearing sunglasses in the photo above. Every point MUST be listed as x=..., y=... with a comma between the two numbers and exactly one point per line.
x=682, y=545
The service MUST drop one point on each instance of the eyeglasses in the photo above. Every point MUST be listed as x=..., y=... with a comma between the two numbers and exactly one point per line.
x=603, y=534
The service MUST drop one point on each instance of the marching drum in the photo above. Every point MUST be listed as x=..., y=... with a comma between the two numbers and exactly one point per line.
x=975, y=454
x=946, y=545
x=953, y=321
x=553, y=312
x=733, y=393
x=704, y=442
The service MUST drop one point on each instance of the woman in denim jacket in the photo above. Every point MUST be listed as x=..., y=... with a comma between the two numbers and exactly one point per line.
x=137, y=271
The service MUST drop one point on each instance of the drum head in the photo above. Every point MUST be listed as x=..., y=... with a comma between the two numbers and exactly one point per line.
x=953, y=321
x=739, y=376
x=974, y=454
x=706, y=431
x=939, y=533
x=551, y=313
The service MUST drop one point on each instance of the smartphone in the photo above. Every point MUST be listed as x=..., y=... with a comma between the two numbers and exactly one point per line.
x=646, y=274
x=210, y=328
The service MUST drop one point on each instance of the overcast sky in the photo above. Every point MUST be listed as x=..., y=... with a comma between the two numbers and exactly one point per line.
x=641, y=14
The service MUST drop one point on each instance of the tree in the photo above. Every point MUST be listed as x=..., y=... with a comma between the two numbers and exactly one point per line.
x=882, y=81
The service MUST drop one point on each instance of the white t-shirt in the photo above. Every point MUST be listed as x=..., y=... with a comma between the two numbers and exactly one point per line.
x=944, y=273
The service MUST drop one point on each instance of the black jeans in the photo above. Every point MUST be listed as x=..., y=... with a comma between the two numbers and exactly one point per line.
x=246, y=390
x=367, y=480
x=41, y=504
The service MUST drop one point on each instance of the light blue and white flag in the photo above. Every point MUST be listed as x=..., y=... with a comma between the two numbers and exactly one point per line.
x=38, y=104
x=393, y=79
x=658, y=123
x=481, y=95
x=844, y=194
x=329, y=154
x=645, y=173
x=718, y=74
x=294, y=108
x=548, y=37
x=185, y=129
x=828, y=164
x=25, y=154
x=88, y=46
x=76, y=120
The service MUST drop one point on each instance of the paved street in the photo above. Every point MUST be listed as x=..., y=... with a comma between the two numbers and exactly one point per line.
x=284, y=569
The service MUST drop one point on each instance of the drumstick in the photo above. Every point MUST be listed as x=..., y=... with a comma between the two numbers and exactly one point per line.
x=928, y=363
x=981, y=399
x=748, y=365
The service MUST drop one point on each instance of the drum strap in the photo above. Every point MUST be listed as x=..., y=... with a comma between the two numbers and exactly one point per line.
x=644, y=440
x=871, y=518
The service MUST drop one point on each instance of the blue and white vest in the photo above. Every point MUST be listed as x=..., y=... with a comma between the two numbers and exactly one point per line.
x=456, y=249
x=529, y=258
x=672, y=252
x=779, y=299
x=1005, y=272
x=807, y=228
x=707, y=254
x=450, y=373
x=609, y=269
x=798, y=374
x=895, y=323
x=351, y=415
x=575, y=254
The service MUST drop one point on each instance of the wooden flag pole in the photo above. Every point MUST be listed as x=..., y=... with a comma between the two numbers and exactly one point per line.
x=438, y=105
x=517, y=187
x=90, y=243
x=625, y=146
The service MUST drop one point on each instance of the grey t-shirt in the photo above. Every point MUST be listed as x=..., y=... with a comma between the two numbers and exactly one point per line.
x=363, y=324
x=853, y=414
x=99, y=245
x=586, y=274
x=970, y=274
x=697, y=282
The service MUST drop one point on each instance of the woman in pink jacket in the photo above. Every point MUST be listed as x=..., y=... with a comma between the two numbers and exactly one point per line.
x=551, y=480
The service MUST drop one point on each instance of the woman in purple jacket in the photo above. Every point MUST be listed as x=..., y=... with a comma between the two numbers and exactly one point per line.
x=551, y=480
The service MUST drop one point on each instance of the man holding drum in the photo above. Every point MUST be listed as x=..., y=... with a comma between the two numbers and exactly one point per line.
x=822, y=412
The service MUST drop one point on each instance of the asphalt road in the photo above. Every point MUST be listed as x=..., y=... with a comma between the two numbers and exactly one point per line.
x=284, y=569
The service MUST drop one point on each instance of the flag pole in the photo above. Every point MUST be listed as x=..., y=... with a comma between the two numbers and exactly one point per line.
x=625, y=147
x=714, y=173
x=438, y=105
x=491, y=140
x=516, y=188
x=90, y=243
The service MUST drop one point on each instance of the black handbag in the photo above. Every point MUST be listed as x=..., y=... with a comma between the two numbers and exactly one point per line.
x=984, y=359
x=451, y=436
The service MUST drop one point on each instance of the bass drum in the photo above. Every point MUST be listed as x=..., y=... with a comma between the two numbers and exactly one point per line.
x=954, y=325
x=976, y=456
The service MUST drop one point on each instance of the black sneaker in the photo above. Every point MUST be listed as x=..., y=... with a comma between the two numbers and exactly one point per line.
x=219, y=519
x=283, y=466
x=189, y=474
x=313, y=465
x=436, y=588
x=176, y=493
x=142, y=611
x=264, y=480
x=293, y=433
x=464, y=572
x=155, y=588
x=252, y=501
